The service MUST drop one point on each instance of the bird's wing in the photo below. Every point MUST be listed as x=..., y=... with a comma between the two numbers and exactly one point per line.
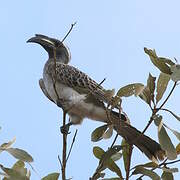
x=43, y=88
x=76, y=79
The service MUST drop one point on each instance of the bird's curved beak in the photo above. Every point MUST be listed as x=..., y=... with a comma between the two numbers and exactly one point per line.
x=44, y=41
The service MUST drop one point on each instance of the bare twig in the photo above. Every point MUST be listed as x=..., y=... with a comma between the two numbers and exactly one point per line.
x=59, y=159
x=71, y=145
x=148, y=124
x=35, y=171
x=168, y=95
x=114, y=140
x=63, y=163
x=72, y=25
x=64, y=149
x=172, y=162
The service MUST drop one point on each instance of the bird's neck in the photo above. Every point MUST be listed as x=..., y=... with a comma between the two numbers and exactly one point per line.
x=62, y=58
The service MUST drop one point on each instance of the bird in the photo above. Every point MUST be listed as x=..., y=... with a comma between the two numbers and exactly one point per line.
x=82, y=97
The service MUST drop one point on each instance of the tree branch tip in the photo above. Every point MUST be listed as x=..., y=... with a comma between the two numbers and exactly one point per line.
x=67, y=34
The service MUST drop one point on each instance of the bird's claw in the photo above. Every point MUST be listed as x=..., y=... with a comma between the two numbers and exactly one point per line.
x=65, y=129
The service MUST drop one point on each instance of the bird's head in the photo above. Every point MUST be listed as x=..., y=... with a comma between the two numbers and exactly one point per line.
x=51, y=45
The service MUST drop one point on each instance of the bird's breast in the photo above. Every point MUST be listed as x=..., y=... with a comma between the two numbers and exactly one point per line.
x=73, y=100
x=61, y=91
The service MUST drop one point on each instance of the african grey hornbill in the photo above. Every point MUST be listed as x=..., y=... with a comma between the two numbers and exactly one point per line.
x=82, y=97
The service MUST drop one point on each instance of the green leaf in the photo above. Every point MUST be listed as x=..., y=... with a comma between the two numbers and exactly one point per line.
x=175, y=76
x=125, y=152
x=19, y=166
x=147, y=165
x=131, y=89
x=5, y=146
x=117, y=156
x=146, y=95
x=166, y=143
x=151, y=85
x=13, y=174
x=158, y=62
x=170, y=170
x=98, y=133
x=167, y=61
x=98, y=152
x=105, y=159
x=20, y=154
x=176, y=133
x=114, y=168
x=52, y=176
x=157, y=119
x=161, y=85
x=167, y=176
x=107, y=134
x=146, y=172
x=178, y=149
x=109, y=93
x=110, y=152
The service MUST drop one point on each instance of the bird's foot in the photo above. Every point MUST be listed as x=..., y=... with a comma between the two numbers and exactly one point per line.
x=65, y=129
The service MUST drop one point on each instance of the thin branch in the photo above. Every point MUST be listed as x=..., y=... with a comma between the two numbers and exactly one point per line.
x=63, y=163
x=114, y=140
x=172, y=162
x=148, y=124
x=35, y=171
x=96, y=87
x=72, y=25
x=157, y=109
x=168, y=95
x=164, y=109
x=64, y=149
x=59, y=159
x=74, y=138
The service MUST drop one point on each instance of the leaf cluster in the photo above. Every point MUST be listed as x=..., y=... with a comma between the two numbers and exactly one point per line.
x=152, y=93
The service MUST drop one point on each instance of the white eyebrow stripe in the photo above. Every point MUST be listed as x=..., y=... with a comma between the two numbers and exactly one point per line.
x=48, y=41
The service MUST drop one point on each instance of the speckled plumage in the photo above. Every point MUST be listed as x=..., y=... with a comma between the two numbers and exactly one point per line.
x=82, y=97
x=76, y=79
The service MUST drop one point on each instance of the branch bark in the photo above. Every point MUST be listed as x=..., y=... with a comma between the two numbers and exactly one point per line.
x=64, y=149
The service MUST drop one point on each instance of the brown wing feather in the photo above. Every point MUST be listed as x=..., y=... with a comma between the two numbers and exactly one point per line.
x=76, y=79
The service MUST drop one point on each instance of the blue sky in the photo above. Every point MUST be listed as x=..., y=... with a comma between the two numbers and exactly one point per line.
x=107, y=41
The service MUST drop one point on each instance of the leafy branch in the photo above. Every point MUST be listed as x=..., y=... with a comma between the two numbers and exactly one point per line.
x=155, y=110
x=169, y=70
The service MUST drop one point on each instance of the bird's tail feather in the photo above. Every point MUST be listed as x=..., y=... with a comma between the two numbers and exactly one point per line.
x=148, y=146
